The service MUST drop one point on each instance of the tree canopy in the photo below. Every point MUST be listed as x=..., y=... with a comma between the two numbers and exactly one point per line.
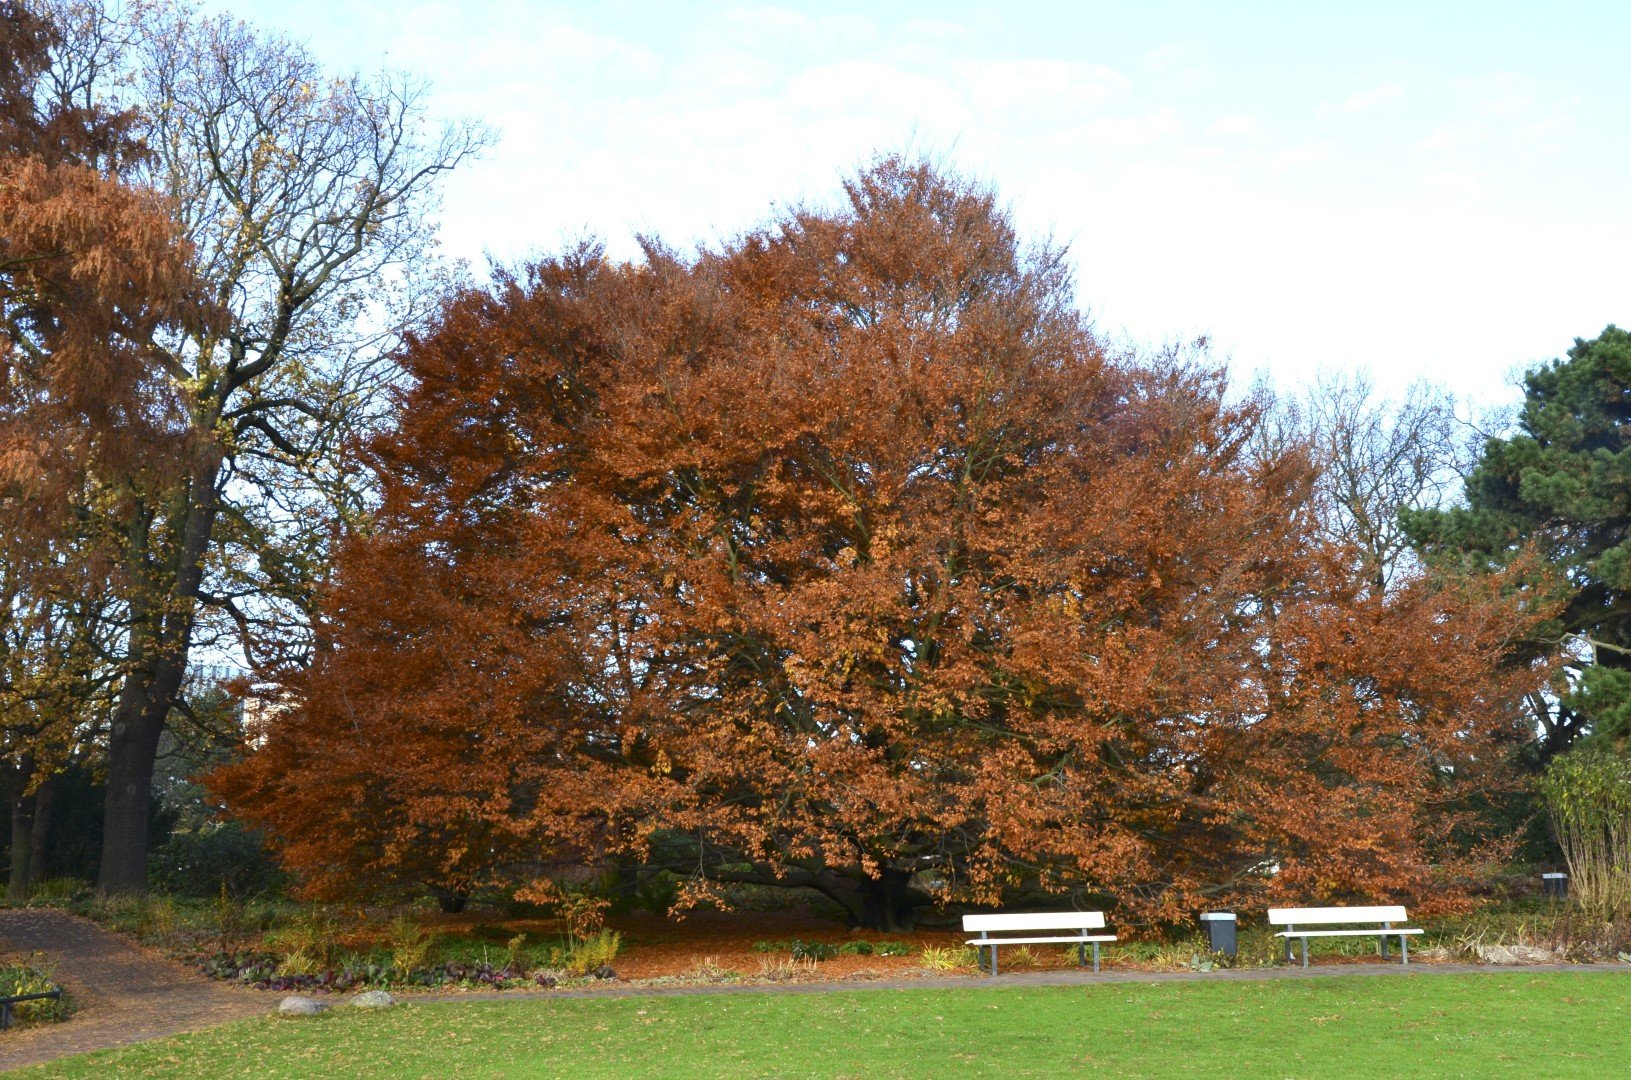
x=845, y=555
x=1561, y=484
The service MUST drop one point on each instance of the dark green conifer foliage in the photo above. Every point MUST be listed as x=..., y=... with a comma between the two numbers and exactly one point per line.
x=1562, y=483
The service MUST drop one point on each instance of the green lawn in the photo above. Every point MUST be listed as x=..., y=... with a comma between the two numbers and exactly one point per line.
x=1543, y=1024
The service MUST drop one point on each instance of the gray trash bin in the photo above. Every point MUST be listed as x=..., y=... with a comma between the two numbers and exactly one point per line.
x=1555, y=886
x=1220, y=931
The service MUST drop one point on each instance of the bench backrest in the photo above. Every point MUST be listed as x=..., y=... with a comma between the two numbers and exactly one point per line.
x=1320, y=916
x=1036, y=920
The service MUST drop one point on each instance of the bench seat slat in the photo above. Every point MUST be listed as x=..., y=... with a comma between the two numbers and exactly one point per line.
x=1035, y=920
x=1040, y=940
x=1347, y=933
x=1324, y=915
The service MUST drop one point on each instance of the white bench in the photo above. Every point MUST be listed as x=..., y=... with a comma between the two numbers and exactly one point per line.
x=1292, y=918
x=1083, y=923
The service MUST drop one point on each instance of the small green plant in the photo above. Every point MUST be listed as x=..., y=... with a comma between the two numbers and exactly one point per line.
x=157, y=919
x=309, y=943
x=812, y=950
x=710, y=972
x=514, y=952
x=856, y=948
x=776, y=969
x=409, y=944
x=892, y=948
x=232, y=920
x=58, y=890
x=1021, y=957
x=32, y=978
x=944, y=961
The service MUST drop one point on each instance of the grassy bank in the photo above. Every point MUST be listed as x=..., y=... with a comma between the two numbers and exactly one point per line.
x=1540, y=1024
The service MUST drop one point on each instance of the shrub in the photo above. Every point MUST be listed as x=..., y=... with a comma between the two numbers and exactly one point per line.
x=812, y=950
x=308, y=942
x=409, y=944
x=584, y=913
x=1588, y=793
x=593, y=953
x=32, y=978
x=59, y=890
x=218, y=856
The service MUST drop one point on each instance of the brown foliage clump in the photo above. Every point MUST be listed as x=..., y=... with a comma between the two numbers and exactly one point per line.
x=846, y=556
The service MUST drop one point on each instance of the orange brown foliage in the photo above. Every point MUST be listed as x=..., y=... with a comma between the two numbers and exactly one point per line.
x=846, y=556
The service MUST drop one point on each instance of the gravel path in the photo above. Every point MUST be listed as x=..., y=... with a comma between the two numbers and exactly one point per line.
x=127, y=994
x=123, y=993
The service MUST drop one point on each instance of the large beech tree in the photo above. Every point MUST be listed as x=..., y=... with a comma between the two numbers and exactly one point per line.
x=845, y=556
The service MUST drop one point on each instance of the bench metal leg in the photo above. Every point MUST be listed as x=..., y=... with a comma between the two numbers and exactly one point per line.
x=1305, y=952
x=1081, y=954
x=993, y=948
x=1383, y=939
x=1404, y=950
x=1095, y=956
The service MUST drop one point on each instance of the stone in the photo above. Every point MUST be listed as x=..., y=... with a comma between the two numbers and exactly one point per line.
x=373, y=999
x=300, y=1005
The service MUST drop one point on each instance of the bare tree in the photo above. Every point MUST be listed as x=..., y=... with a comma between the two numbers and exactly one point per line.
x=309, y=199
x=1378, y=457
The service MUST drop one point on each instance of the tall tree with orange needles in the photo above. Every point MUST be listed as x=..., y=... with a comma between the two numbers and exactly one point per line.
x=308, y=203
x=92, y=272
x=846, y=557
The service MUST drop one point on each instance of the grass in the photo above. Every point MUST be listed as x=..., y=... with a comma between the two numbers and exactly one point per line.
x=1541, y=1024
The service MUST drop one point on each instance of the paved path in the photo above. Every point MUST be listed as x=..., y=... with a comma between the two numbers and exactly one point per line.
x=127, y=994
x=123, y=993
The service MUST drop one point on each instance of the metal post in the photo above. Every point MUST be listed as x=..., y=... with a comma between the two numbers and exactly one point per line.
x=1404, y=951
x=1382, y=937
x=1305, y=950
x=1289, y=929
x=1081, y=952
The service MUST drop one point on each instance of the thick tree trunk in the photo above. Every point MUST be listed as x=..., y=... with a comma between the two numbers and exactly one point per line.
x=132, y=748
x=22, y=827
x=39, y=837
x=888, y=903
x=451, y=901
x=160, y=643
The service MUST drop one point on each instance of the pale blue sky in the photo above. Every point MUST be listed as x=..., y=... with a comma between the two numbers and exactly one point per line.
x=1434, y=189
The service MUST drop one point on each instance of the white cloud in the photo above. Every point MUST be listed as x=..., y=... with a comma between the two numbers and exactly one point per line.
x=1193, y=203
x=1298, y=156
x=1377, y=96
x=1235, y=124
